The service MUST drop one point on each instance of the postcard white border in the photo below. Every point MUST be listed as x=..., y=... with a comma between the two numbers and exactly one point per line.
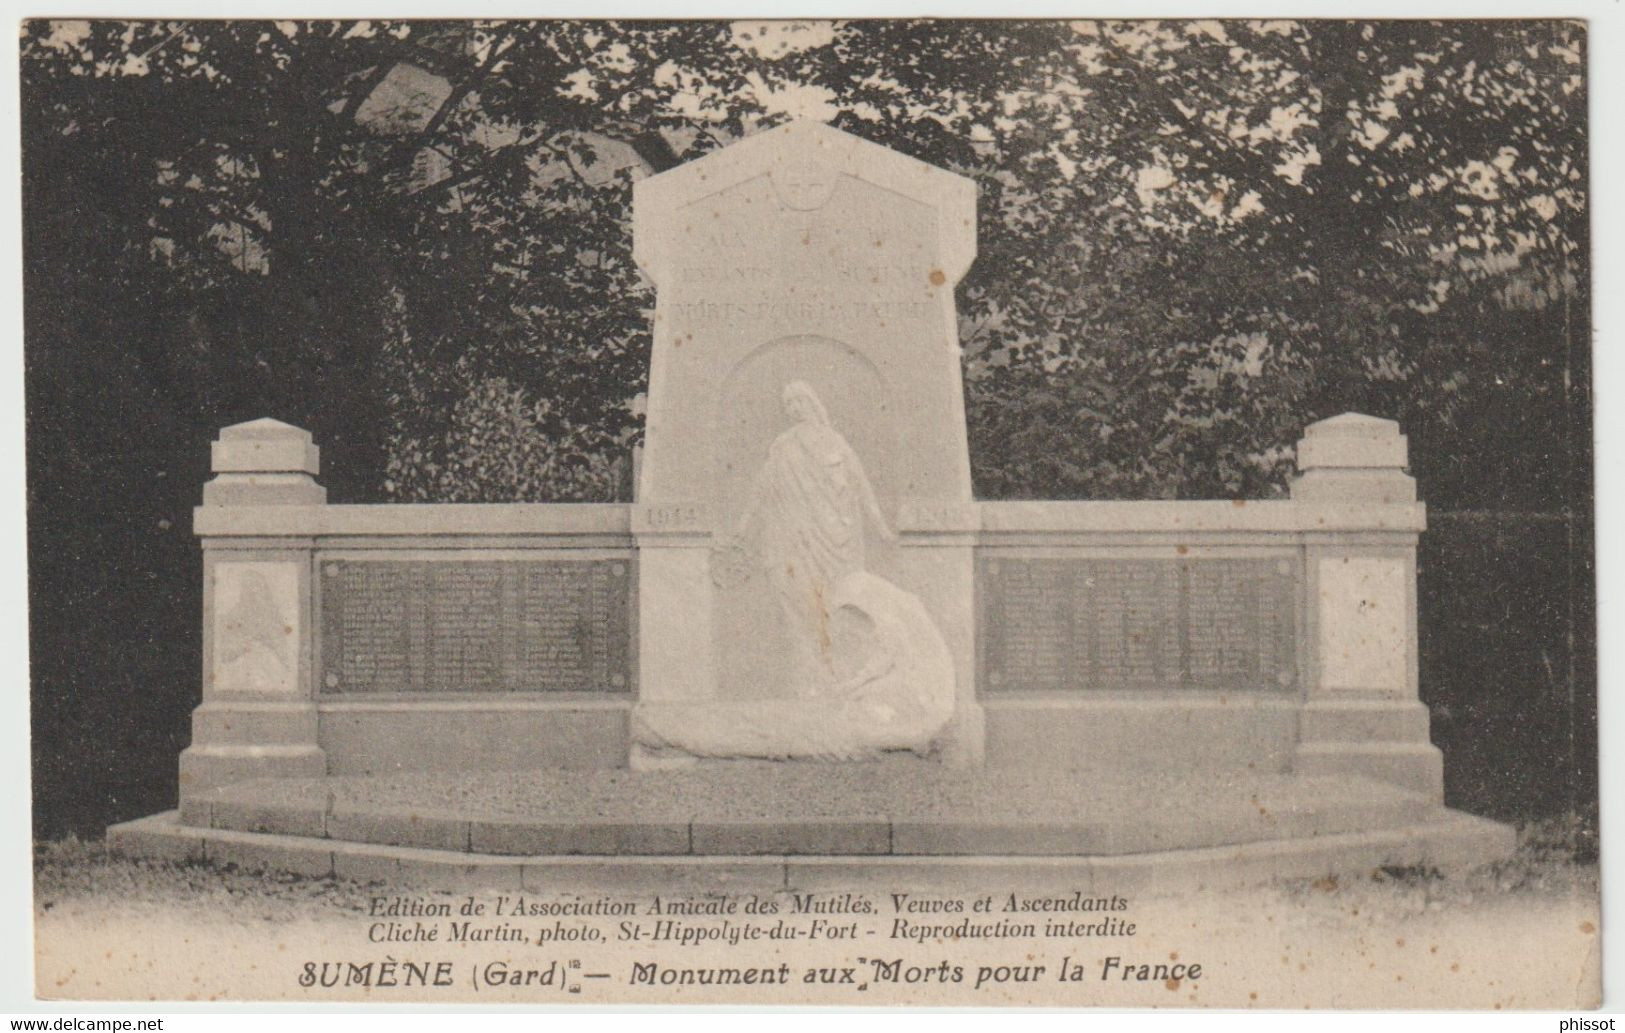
x=1607, y=47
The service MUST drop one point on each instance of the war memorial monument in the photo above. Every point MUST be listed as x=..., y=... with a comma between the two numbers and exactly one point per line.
x=805, y=652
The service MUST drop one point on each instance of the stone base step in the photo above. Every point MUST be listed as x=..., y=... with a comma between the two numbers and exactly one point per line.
x=1449, y=842
x=1418, y=766
x=230, y=763
x=729, y=809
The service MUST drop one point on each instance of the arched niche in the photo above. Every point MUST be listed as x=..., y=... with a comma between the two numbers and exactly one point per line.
x=751, y=639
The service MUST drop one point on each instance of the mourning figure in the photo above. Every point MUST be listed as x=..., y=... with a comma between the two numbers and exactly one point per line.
x=805, y=519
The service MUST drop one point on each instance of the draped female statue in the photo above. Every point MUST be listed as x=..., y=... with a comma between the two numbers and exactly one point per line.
x=893, y=690
x=806, y=516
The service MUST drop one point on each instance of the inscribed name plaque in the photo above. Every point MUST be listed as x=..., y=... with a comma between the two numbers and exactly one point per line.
x=1071, y=623
x=475, y=626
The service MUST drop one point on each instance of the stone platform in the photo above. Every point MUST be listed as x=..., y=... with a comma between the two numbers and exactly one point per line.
x=775, y=826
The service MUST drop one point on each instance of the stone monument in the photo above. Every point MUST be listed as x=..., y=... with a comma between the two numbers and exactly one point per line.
x=805, y=425
x=804, y=607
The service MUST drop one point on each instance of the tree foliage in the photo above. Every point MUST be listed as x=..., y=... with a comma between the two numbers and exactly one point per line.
x=414, y=238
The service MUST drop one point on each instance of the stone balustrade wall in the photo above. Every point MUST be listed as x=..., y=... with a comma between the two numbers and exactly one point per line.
x=345, y=638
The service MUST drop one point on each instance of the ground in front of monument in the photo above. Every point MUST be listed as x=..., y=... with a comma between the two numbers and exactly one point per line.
x=1389, y=939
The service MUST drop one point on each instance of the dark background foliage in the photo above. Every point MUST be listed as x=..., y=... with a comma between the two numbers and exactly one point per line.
x=1195, y=238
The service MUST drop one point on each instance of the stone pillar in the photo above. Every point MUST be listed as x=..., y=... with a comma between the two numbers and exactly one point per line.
x=939, y=540
x=258, y=717
x=1362, y=714
x=674, y=603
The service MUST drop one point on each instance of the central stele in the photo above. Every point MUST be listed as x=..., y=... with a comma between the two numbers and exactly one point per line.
x=804, y=515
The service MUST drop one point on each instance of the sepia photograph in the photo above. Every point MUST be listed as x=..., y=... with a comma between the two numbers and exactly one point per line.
x=863, y=513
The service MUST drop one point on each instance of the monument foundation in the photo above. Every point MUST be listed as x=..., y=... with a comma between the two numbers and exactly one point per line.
x=804, y=638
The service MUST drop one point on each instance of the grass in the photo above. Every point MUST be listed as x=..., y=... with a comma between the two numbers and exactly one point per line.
x=1556, y=857
x=72, y=868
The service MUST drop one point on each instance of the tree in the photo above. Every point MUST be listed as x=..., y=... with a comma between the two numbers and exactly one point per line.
x=1195, y=235
x=413, y=239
